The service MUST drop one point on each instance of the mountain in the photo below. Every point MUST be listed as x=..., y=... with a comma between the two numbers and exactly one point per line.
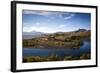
x=81, y=30
x=33, y=34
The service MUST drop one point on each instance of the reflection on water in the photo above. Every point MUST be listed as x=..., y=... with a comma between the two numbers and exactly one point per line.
x=86, y=48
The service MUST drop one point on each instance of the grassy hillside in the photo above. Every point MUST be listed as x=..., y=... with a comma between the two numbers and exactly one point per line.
x=59, y=40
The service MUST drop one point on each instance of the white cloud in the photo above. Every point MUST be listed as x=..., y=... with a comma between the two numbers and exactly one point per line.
x=42, y=29
x=35, y=28
x=44, y=13
x=48, y=13
x=61, y=26
x=26, y=29
x=69, y=17
x=38, y=23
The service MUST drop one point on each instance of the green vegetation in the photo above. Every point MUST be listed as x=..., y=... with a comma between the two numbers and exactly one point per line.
x=58, y=40
x=55, y=58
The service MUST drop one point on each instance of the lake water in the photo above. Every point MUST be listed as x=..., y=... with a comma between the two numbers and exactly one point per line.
x=85, y=48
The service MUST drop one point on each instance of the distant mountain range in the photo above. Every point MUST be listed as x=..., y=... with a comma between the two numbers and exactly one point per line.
x=34, y=34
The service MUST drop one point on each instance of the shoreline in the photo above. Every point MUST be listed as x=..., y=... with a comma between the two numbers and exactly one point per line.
x=83, y=56
x=57, y=45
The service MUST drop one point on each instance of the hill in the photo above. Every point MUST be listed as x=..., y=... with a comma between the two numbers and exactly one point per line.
x=71, y=39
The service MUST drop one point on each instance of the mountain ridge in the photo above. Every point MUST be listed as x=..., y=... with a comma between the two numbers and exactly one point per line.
x=33, y=34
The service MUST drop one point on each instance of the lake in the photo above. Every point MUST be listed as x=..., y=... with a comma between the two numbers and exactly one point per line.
x=85, y=48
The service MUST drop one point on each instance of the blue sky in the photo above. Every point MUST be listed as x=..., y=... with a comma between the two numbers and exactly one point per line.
x=51, y=22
